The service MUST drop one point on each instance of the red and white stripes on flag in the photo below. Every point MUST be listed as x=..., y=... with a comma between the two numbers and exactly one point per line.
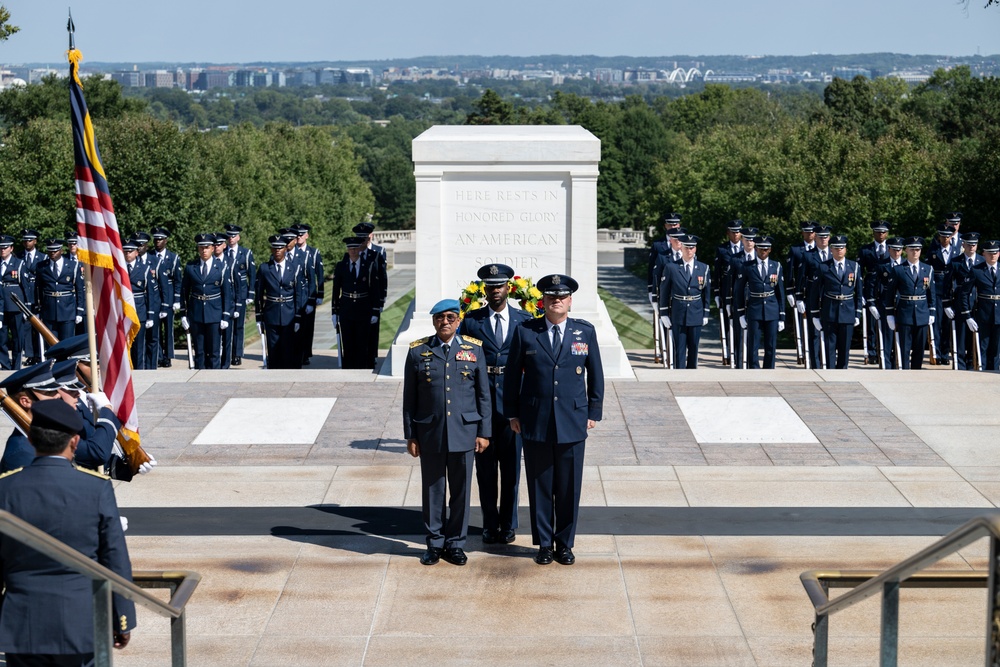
x=115, y=321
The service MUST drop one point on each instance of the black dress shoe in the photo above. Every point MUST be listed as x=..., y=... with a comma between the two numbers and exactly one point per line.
x=431, y=556
x=455, y=556
x=167, y=363
x=564, y=556
x=544, y=555
x=490, y=536
x=305, y=362
x=237, y=361
x=507, y=536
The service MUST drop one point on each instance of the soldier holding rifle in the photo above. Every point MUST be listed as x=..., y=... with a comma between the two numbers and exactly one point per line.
x=280, y=297
x=839, y=308
x=870, y=259
x=684, y=302
x=959, y=275
x=910, y=304
x=759, y=303
x=14, y=286
x=722, y=285
x=981, y=299
x=354, y=307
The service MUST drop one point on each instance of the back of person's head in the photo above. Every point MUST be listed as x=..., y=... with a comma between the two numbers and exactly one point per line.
x=53, y=424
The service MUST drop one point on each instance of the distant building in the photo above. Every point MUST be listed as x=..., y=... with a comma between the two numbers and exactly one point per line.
x=159, y=79
x=848, y=73
x=909, y=77
x=210, y=79
x=330, y=76
x=730, y=77
x=361, y=76
x=608, y=75
x=128, y=78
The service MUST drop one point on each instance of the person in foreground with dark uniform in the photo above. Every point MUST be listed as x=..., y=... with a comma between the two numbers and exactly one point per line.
x=721, y=282
x=140, y=274
x=313, y=275
x=874, y=288
x=13, y=319
x=59, y=291
x=959, y=275
x=910, y=304
x=374, y=253
x=838, y=309
x=494, y=325
x=219, y=246
x=244, y=282
x=981, y=306
x=353, y=305
x=806, y=284
x=941, y=254
x=684, y=302
x=871, y=256
x=47, y=612
x=746, y=256
x=30, y=257
x=661, y=247
x=446, y=419
x=169, y=270
x=553, y=394
x=279, y=299
x=759, y=303
x=206, y=303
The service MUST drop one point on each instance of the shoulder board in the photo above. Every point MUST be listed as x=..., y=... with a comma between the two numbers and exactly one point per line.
x=470, y=339
x=11, y=472
x=91, y=472
x=419, y=342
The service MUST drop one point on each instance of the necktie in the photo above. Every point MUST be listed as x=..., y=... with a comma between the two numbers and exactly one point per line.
x=498, y=330
x=749, y=257
x=881, y=252
x=131, y=266
x=840, y=270
x=55, y=268
x=447, y=349
x=913, y=268
x=822, y=255
x=993, y=273
x=204, y=269
x=687, y=267
x=556, y=339
x=354, y=270
x=761, y=269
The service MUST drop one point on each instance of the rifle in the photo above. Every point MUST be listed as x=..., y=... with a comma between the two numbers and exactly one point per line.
x=977, y=357
x=263, y=341
x=954, y=347
x=10, y=407
x=798, y=338
x=340, y=346
x=899, y=351
x=930, y=344
x=746, y=348
x=43, y=331
x=722, y=338
x=657, y=342
x=805, y=338
x=864, y=333
x=822, y=349
x=187, y=336
x=881, y=345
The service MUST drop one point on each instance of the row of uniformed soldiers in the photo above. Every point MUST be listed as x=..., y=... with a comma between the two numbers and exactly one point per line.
x=904, y=300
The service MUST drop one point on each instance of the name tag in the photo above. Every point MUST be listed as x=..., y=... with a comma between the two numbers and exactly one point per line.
x=530, y=352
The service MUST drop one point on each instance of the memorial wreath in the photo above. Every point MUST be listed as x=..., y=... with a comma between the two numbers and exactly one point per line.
x=523, y=290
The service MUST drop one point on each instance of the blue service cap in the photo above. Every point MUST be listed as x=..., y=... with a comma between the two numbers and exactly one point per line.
x=972, y=238
x=204, y=239
x=689, y=240
x=808, y=227
x=29, y=234
x=991, y=246
x=276, y=241
x=363, y=228
x=677, y=232
x=6, y=241
x=672, y=218
x=823, y=230
x=445, y=306
x=159, y=233
x=56, y=415
x=220, y=238
x=72, y=238
x=838, y=241
x=302, y=227
x=915, y=242
x=945, y=229
x=953, y=217
x=74, y=347
x=896, y=242
x=51, y=245
x=130, y=244
x=142, y=237
x=233, y=230
x=749, y=233
x=495, y=274
x=763, y=242
x=38, y=376
x=557, y=284
x=881, y=226
x=735, y=225
x=355, y=241
x=64, y=374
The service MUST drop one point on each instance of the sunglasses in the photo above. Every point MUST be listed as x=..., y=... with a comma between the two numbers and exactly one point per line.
x=451, y=317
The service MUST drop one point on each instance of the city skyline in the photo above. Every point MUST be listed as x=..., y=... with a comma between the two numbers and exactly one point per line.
x=315, y=31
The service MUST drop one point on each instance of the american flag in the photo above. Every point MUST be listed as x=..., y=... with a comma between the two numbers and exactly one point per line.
x=115, y=321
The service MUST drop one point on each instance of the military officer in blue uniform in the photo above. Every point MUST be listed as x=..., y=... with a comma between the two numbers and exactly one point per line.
x=206, y=302
x=499, y=466
x=244, y=283
x=379, y=279
x=447, y=418
x=661, y=247
x=147, y=307
x=313, y=274
x=219, y=245
x=910, y=304
x=959, y=274
x=59, y=291
x=30, y=256
x=759, y=303
x=874, y=291
x=280, y=295
x=354, y=303
x=871, y=256
x=47, y=615
x=748, y=240
x=722, y=282
x=806, y=284
x=684, y=306
x=981, y=305
x=940, y=258
x=169, y=270
x=13, y=284
x=553, y=394
x=837, y=303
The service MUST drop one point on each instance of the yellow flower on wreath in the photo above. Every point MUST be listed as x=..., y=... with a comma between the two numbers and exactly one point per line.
x=523, y=290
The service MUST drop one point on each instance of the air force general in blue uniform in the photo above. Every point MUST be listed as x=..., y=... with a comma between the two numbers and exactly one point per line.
x=554, y=393
x=500, y=464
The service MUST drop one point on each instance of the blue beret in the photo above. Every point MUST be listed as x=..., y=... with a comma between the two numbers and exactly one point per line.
x=446, y=305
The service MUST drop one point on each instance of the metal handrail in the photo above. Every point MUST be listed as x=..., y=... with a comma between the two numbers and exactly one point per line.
x=105, y=582
x=908, y=574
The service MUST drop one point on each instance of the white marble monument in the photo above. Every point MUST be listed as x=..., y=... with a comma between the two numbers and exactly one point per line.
x=525, y=196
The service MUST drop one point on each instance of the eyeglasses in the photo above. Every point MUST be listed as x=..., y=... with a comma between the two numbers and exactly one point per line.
x=446, y=317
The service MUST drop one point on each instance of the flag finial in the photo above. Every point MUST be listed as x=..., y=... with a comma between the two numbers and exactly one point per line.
x=70, y=28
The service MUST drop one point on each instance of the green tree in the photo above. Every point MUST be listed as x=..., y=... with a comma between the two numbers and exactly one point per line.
x=50, y=99
x=491, y=109
x=6, y=28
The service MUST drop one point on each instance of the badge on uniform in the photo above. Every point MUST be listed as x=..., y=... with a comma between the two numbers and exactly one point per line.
x=774, y=279
x=701, y=282
x=13, y=274
x=428, y=353
x=465, y=355
x=579, y=370
x=579, y=348
x=850, y=280
x=927, y=281
x=578, y=332
x=466, y=347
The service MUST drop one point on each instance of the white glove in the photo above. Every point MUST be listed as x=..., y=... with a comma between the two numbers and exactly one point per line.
x=223, y=325
x=729, y=310
x=333, y=319
x=801, y=307
x=791, y=300
x=817, y=324
x=149, y=324
x=652, y=299
x=309, y=310
x=717, y=303
x=1, y=324
x=704, y=322
x=891, y=321
x=743, y=321
x=374, y=319
x=296, y=327
x=177, y=307
x=124, y=523
x=930, y=320
x=184, y=323
x=950, y=313
x=781, y=325
x=163, y=316
x=972, y=324
x=856, y=321
x=79, y=319
x=874, y=311
x=148, y=466
x=98, y=400
x=666, y=321
x=249, y=301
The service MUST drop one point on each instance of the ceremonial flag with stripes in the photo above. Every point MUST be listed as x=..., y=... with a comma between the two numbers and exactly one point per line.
x=115, y=321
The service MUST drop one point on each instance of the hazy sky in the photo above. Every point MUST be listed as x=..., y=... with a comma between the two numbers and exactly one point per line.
x=311, y=30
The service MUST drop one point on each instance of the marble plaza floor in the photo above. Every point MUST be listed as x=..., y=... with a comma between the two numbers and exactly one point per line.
x=707, y=493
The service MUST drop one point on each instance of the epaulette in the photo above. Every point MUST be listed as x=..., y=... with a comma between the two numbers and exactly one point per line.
x=90, y=472
x=11, y=472
x=420, y=341
x=470, y=339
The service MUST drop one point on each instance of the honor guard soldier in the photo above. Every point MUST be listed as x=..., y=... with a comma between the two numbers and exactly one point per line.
x=870, y=259
x=953, y=220
x=446, y=420
x=206, y=302
x=219, y=245
x=280, y=297
x=30, y=257
x=684, y=302
x=140, y=275
x=500, y=464
x=48, y=608
x=662, y=247
x=553, y=394
x=150, y=260
x=981, y=298
x=169, y=270
x=759, y=303
x=72, y=247
x=960, y=275
x=353, y=305
x=722, y=283
x=748, y=237
x=940, y=258
x=59, y=291
x=874, y=292
x=837, y=309
x=794, y=261
x=806, y=284
x=244, y=282
x=14, y=284
x=312, y=266
x=379, y=282
x=673, y=256
x=910, y=304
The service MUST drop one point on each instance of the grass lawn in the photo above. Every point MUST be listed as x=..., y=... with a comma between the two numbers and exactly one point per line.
x=634, y=332
x=392, y=317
